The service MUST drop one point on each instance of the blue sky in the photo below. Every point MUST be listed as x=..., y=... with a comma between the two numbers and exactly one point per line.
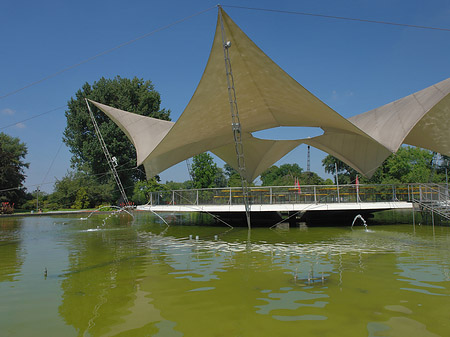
x=352, y=66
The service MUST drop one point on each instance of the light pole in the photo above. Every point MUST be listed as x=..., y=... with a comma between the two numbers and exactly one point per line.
x=37, y=199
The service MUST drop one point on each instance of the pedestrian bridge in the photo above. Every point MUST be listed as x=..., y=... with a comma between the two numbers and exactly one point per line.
x=309, y=203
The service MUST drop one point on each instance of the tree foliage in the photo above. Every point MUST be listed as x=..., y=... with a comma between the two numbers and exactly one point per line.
x=205, y=172
x=232, y=176
x=142, y=190
x=284, y=175
x=135, y=95
x=12, y=166
x=346, y=174
x=310, y=178
x=408, y=165
x=80, y=190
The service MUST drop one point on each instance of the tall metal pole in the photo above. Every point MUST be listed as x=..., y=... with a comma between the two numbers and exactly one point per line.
x=337, y=182
x=112, y=161
x=308, y=160
x=37, y=199
x=357, y=189
x=235, y=122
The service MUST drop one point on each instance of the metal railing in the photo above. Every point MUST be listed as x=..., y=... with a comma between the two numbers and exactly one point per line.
x=433, y=198
x=307, y=194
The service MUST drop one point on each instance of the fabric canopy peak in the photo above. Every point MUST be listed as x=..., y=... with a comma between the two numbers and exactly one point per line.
x=266, y=95
x=267, y=98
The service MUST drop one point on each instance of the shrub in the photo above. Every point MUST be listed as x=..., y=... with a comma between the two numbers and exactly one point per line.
x=6, y=208
x=52, y=206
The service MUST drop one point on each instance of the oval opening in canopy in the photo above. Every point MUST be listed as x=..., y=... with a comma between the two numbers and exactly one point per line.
x=288, y=133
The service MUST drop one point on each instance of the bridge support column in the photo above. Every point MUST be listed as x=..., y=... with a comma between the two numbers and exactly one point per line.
x=292, y=218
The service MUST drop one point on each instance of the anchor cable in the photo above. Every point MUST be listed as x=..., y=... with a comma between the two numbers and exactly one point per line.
x=108, y=51
x=340, y=18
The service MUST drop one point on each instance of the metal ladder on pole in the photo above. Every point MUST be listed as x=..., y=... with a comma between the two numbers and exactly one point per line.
x=112, y=161
x=235, y=121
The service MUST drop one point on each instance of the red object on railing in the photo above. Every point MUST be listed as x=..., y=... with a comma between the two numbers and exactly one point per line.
x=297, y=185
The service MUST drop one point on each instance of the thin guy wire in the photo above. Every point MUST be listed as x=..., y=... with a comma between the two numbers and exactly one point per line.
x=104, y=53
x=52, y=182
x=53, y=161
x=35, y=116
x=230, y=6
x=340, y=18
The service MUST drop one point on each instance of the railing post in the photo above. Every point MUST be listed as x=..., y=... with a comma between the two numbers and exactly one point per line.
x=173, y=197
x=230, y=197
x=271, y=195
x=151, y=198
x=338, y=197
x=315, y=195
x=196, y=200
x=420, y=193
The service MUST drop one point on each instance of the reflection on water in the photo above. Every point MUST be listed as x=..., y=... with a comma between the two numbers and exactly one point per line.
x=11, y=253
x=139, y=278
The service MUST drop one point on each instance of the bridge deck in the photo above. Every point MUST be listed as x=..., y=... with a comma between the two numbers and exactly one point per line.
x=310, y=204
x=343, y=206
x=286, y=198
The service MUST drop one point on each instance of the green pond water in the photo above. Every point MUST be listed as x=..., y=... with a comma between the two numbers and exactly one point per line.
x=120, y=276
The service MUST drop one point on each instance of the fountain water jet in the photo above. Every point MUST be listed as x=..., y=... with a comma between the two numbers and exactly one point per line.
x=360, y=218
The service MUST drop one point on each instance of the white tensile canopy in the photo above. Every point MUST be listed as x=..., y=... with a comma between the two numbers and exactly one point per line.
x=146, y=133
x=421, y=119
x=268, y=97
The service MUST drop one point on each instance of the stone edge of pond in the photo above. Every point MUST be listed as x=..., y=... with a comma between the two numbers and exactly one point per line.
x=53, y=213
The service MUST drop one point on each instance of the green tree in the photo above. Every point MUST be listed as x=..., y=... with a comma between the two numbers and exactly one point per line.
x=12, y=167
x=66, y=191
x=408, y=165
x=281, y=176
x=233, y=177
x=135, y=95
x=205, y=171
x=229, y=171
x=173, y=185
x=310, y=178
x=142, y=190
x=33, y=198
x=220, y=180
x=346, y=174
x=443, y=167
x=82, y=199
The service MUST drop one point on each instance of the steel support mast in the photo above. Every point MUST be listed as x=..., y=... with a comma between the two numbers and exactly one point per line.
x=235, y=122
x=308, y=160
x=112, y=161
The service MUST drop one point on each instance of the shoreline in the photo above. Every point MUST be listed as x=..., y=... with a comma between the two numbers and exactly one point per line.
x=81, y=211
